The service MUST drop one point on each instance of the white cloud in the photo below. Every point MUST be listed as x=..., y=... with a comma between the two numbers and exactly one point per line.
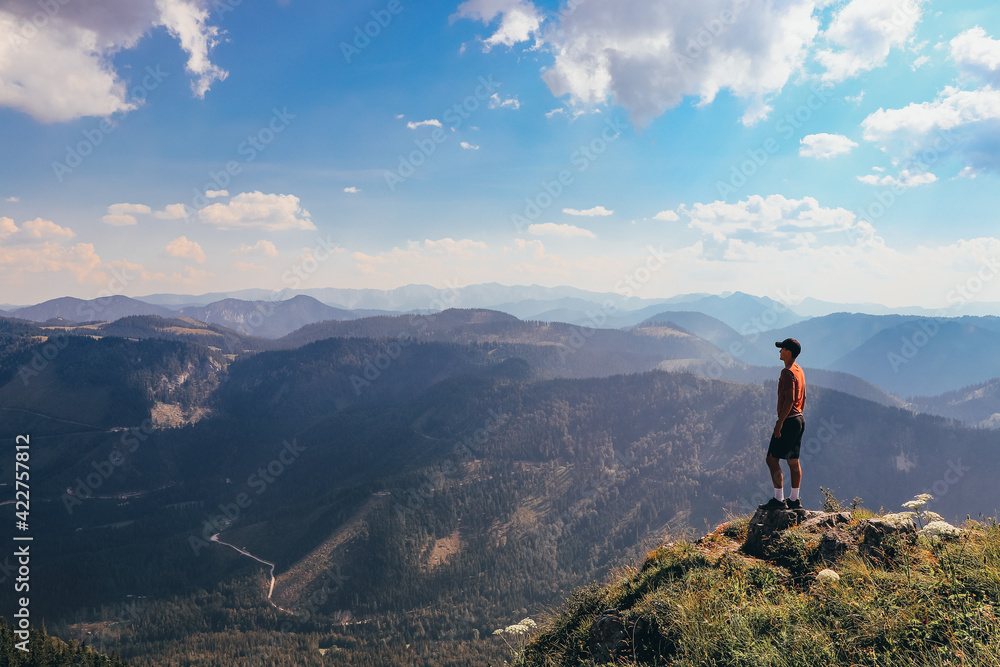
x=33, y=253
x=262, y=246
x=825, y=145
x=172, y=212
x=120, y=209
x=907, y=179
x=855, y=99
x=597, y=210
x=433, y=122
x=519, y=19
x=864, y=32
x=728, y=230
x=952, y=109
x=32, y=231
x=977, y=55
x=12, y=200
x=352, y=190
x=967, y=172
x=182, y=247
x=963, y=122
x=648, y=55
x=62, y=68
x=187, y=21
x=496, y=102
x=425, y=258
x=119, y=220
x=215, y=194
x=256, y=210
x=121, y=215
x=566, y=231
x=667, y=216
x=920, y=62
x=467, y=146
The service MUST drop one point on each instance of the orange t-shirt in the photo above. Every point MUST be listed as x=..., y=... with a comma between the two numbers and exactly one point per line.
x=794, y=380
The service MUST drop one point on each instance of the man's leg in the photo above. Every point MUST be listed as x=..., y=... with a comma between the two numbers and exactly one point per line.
x=777, y=479
x=795, y=469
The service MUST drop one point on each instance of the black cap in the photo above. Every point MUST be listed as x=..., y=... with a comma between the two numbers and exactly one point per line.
x=790, y=344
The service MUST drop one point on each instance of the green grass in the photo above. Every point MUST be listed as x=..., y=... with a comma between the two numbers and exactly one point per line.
x=922, y=603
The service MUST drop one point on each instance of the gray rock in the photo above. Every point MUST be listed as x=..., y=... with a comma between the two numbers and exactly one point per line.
x=874, y=531
x=826, y=521
x=607, y=637
x=834, y=544
x=766, y=523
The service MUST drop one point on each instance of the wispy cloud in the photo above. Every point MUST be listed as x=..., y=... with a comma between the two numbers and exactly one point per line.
x=553, y=229
x=432, y=122
x=596, y=211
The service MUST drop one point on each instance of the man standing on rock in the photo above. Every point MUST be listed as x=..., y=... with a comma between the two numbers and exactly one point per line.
x=787, y=437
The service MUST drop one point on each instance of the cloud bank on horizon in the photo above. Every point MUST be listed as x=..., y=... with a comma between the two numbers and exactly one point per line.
x=846, y=147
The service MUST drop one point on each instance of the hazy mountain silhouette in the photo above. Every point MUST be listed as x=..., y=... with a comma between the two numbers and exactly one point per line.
x=925, y=357
x=268, y=319
x=104, y=309
x=975, y=405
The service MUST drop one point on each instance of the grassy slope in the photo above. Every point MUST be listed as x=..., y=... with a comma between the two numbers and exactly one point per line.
x=915, y=602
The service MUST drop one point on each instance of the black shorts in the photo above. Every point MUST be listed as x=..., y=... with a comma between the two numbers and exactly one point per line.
x=788, y=445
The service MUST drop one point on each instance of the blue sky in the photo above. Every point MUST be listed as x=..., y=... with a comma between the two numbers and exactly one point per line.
x=841, y=150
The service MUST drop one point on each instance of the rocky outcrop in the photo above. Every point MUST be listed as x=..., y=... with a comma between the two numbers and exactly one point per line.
x=765, y=524
x=875, y=531
x=612, y=638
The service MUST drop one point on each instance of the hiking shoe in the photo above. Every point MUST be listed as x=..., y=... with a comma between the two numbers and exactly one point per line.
x=773, y=504
x=793, y=504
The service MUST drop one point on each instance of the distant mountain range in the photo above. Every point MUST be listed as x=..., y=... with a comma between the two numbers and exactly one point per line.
x=106, y=309
x=903, y=354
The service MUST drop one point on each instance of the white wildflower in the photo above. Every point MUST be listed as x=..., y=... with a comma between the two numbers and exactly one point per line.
x=900, y=518
x=528, y=623
x=924, y=497
x=939, y=528
x=931, y=517
x=827, y=577
x=915, y=504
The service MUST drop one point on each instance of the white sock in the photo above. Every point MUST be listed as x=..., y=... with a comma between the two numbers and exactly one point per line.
x=779, y=494
x=794, y=495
